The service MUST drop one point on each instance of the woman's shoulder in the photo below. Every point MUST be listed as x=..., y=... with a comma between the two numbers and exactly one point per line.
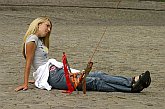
x=31, y=38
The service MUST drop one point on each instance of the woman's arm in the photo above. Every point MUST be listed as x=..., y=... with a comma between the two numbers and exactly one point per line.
x=30, y=51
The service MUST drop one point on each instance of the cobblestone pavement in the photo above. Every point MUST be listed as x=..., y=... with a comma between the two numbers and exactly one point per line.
x=134, y=42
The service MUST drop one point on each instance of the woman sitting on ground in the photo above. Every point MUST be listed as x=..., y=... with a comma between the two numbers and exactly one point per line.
x=50, y=74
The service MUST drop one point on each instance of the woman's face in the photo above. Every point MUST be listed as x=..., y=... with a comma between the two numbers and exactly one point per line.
x=43, y=29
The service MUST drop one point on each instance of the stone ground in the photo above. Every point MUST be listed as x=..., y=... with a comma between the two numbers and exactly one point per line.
x=133, y=43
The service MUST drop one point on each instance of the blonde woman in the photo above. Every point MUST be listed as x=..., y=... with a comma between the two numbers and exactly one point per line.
x=50, y=74
x=35, y=47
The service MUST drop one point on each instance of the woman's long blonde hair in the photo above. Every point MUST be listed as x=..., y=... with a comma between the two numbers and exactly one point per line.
x=33, y=28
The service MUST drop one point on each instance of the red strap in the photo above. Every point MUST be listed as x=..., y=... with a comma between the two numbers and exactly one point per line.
x=68, y=82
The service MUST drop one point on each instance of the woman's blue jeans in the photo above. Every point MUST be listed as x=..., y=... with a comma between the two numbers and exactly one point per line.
x=95, y=81
x=100, y=81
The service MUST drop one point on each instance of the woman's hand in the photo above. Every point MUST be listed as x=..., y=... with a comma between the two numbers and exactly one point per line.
x=30, y=51
x=22, y=87
x=31, y=81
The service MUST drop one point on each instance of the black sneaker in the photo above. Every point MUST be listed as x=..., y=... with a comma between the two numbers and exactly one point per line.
x=143, y=82
x=148, y=82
